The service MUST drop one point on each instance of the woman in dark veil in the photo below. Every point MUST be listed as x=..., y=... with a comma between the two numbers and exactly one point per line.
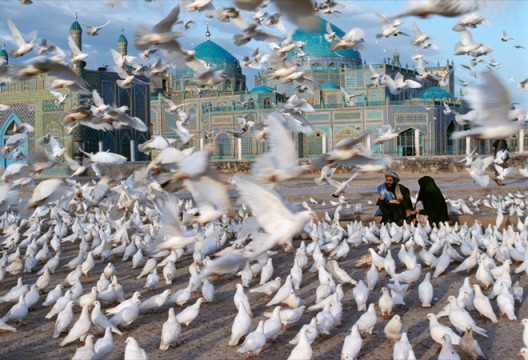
x=433, y=201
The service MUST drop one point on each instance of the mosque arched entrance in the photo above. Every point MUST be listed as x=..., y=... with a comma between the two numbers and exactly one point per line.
x=21, y=153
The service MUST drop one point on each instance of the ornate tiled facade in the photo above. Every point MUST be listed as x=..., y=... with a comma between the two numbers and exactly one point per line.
x=416, y=114
x=31, y=102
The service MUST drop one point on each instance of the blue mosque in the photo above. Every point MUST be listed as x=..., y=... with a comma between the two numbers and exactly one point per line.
x=416, y=114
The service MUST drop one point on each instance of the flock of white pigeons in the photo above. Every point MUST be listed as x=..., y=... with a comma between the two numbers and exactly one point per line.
x=237, y=228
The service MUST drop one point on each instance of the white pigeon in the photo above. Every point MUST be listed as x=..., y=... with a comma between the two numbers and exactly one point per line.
x=18, y=311
x=482, y=304
x=506, y=302
x=291, y=316
x=272, y=326
x=367, y=320
x=389, y=28
x=87, y=351
x=100, y=321
x=447, y=351
x=477, y=170
x=393, y=329
x=408, y=276
x=303, y=349
x=425, y=291
x=327, y=171
x=402, y=348
x=437, y=330
x=170, y=331
x=266, y=272
x=493, y=116
x=352, y=344
x=461, y=319
x=127, y=315
x=282, y=293
x=190, y=313
x=340, y=187
x=447, y=8
x=181, y=296
x=59, y=304
x=76, y=53
x=502, y=172
x=385, y=303
x=106, y=157
x=372, y=277
x=80, y=328
x=469, y=346
x=153, y=279
x=64, y=320
x=135, y=296
x=254, y=341
x=398, y=84
x=60, y=98
x=23, y=46
x=105, y=345
x=312, y=334
x=273, y=216
x=208, y=291
x=353, y=37
x=281, y=163
x=94, y=30
x=241, y=326
x=361, y=294
x=133, y=351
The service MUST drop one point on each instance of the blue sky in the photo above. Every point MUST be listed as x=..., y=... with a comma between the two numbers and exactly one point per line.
x=51, y=19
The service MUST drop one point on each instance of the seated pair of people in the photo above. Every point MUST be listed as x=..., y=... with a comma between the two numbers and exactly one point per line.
x=395, y=204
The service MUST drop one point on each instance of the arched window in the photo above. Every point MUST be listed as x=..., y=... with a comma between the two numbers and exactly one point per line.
x=406, y=143
x=223, y=146
x=345, y=133
x=247, y=146
x=332, y=67
x=317, y=66
x=228, y=84
x=22, y=149
x=315, y=144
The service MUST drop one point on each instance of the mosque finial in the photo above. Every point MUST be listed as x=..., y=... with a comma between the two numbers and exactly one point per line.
x=122, y=30
x=3, y=46
x=76, y=17
x=207, y=33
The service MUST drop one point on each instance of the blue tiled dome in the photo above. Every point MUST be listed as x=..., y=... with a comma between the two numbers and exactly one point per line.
x=329, y=86
x=317, y=46
x=76, y=27
x=3, y=54
x=434, y=92
x=220, y=58
x=262, y=89
x=122, y=39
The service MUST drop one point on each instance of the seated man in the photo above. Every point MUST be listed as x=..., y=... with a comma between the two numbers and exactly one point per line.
x=394, y=200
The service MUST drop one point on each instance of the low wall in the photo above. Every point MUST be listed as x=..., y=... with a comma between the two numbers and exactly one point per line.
x=419, y=164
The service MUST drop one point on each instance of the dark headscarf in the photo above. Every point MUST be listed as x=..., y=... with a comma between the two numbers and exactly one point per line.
x=433, y=201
